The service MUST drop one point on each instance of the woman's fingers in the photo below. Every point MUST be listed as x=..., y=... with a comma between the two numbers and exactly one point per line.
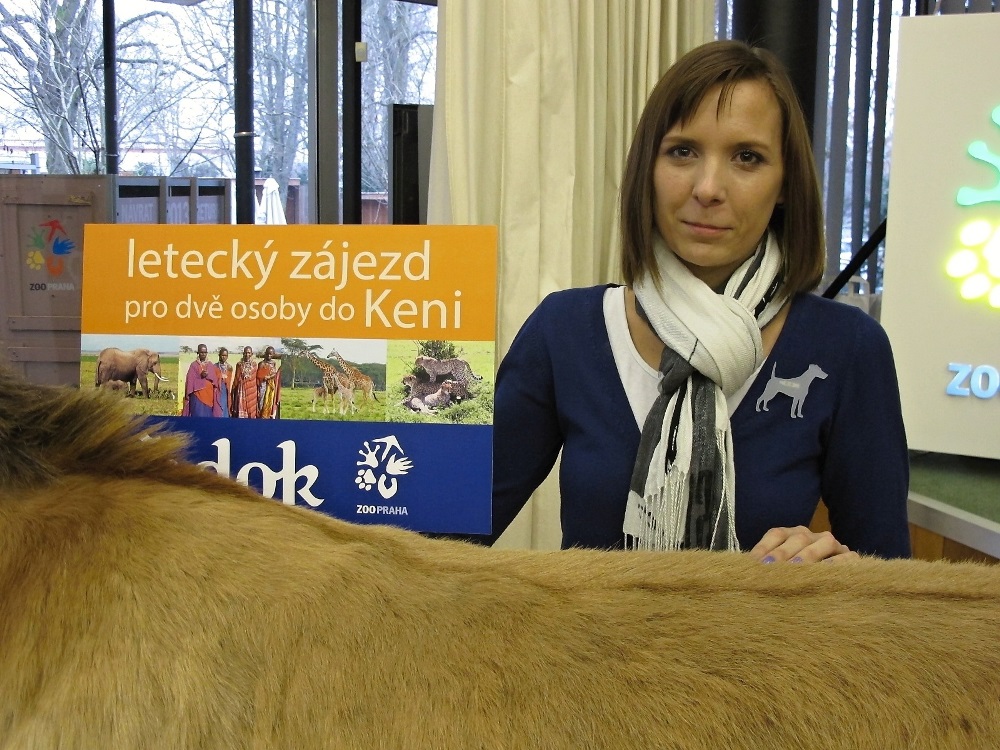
x=799, y=544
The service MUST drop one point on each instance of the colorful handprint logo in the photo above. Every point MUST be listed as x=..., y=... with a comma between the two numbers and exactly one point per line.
x=48, y=246
x=976, y=263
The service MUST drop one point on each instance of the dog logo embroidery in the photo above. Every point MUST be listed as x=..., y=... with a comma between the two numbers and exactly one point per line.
x=796, y=388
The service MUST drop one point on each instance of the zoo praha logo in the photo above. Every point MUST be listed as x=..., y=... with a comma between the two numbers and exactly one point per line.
x=48, y=247
x=388, y=459
x=976, y=264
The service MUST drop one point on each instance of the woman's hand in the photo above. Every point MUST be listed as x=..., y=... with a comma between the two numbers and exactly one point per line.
x=799, y=544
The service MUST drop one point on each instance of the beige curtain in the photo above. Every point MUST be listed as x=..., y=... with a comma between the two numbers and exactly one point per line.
x=536, y=104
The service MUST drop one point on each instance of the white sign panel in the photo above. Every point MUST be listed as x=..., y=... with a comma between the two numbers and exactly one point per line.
x=941, y=302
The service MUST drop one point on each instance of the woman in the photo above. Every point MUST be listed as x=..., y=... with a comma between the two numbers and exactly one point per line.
x=201, y=387
x=244, y=398
x=226, y=374
x=711, y=401
x=268, y=386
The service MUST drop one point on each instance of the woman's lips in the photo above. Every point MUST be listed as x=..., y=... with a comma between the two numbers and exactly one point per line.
x=704, y=230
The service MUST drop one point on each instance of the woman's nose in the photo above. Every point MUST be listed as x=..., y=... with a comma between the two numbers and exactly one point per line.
x=709, y=183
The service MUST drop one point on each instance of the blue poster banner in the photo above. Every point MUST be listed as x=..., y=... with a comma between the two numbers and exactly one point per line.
x=421, y=477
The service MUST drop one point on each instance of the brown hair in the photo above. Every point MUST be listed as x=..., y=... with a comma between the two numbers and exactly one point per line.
x=798, y=224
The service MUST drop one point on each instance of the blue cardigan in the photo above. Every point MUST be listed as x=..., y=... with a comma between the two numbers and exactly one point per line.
x=558, y=388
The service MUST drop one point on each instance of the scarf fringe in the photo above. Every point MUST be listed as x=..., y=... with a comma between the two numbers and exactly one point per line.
x=656, y=520
x=658, y=523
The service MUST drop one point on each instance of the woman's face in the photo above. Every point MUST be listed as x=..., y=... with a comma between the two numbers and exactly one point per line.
x=247, y=354
x=717, y=179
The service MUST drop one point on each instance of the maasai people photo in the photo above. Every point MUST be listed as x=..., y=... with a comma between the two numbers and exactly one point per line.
x=226, y=376
x=201, y=388
x=244, y=398
x=269, y=386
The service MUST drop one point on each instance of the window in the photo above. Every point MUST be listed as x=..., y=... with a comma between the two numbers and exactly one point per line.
x=400, y=45
x=174, y=89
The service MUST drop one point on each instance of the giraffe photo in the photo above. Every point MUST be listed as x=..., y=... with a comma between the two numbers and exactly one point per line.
x=334, y=384
x=337, y=379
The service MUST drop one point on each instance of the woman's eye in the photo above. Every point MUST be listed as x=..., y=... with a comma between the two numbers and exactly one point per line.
x=680, y=152
x=746, y=156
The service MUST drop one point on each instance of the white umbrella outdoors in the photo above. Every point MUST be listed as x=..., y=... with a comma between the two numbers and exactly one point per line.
x=269, y=210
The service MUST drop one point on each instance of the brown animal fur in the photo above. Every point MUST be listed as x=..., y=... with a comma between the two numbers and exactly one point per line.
x=145, y=602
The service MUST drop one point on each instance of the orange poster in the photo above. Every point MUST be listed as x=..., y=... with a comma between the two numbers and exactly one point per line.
x=385, y=282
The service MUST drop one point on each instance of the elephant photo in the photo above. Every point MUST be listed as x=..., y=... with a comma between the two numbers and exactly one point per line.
x=132, y=367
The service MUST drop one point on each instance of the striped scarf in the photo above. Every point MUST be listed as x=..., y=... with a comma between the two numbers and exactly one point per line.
x=683, y=489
